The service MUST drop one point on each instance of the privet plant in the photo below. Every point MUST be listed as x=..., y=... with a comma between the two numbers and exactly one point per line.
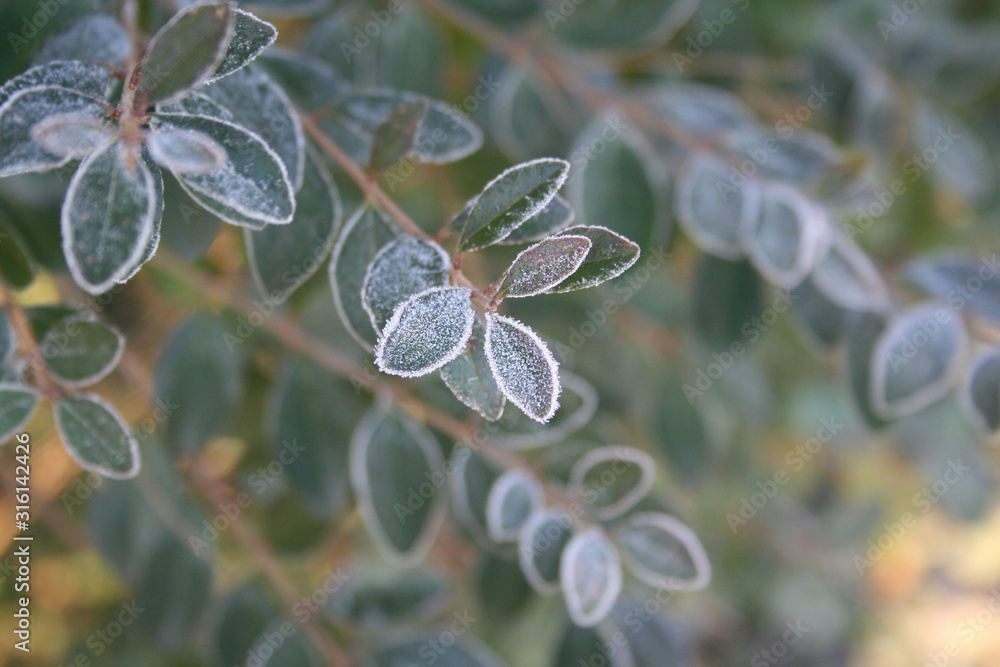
x=449, y=425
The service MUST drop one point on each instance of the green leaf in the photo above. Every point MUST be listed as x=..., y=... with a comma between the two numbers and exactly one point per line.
x=584, y=646
x=17, y=406
x=726, y=296
x=88, y=79
x=610, y=256
x=472, y=477
x=861, y=340
x=366, y=232
x=96, y=38
x=981, y=391
x=394, y=138
x=71, y=135
x=108, y=217
x=96, y=436
x=79, y=351
x=259, y=105
x=186, y=152
x=200, y=374
x=523, y=366
x=624, y=25
x=846, y=276
x=540, y=546
x=787, y=237
x=554, y=218
x=311, y=83
x=711, y=209
x=501, y=588
x=26, y=108
x=612, y=480
x=825, y=322
x=426, y=331
x=8, y=341
x=577, y=405
x=393, y=461
x=590, y=572
x=469, y=377
x=404, y=267
x=940, y=277
x=543, y=266
x=283, y=257
x=662, y=552
x=251, y=35
x=380, y=600
x=184, y=53
x=527, y=121
x=251, y=189
x=466, y=652
x=510, y=200
x=17, y=266
x=514, y=497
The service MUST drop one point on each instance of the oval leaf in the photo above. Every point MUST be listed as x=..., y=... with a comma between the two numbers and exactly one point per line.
x=251, y=35
x=97, y=38
x=86, y=78
x=79, y=351
x=404, y=267
x=917, y=359
x=971, y=283
x=394, y=138
x=472, y=477
x=426, y=332
x=466, y=652
x=554, y=218
x=711, y=209
x=662, y=552
x=185, y=152
x=17, y=406
x=846, y=276
x=577, y=405
x=590, y=571
x=982, y=391
x=510, y=200
x=787, y=236
x=108, y=217
x=513, y=498
x=544, y=265
x=96, y=436
x=394, y=462
x=611, y=480
x=470, y=378
x=70, y=135
x=523, y=366
x=610, y=256
x=540, y=546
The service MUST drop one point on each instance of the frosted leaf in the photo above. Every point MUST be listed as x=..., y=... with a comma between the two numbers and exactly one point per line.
x=184, y=53
x=96, y=38
x=401, y=269
x=469, y=377
x=787, y=237
x=981, y=392
x=154, y=239
x=426, y=332
x=554, y=218
x=825, y=323
x=712, y=209
x=662, y=552
x=610, y=256
x=799, y=160
x=577, y=405
x=525, y=369
x=17, y=407
x=251, y=35
x=186, y=152
x=93, y=352
x=251, y=187
x=27, y=107
x=917, y=359
x=197, y=104
x=311, y=83
x=283, y=257
x=940, y=277
x=96, y=436
x=472, y=477
x=611, y=480
x=289, y=8
x=71, y=135
x=90, y=79
x=966, y=166
x=259, y=105
x=392, y=457
x=395, y=137
x=108, y=217
x=512, y=499
x=847, y=277
x=510, y=200
x=591, y=575
x=700, y=109
x=544, y=265
x=540, y=547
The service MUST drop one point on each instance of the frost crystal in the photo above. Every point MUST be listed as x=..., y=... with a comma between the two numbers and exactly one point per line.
x=400, y=270
x=426, y=332
x=525, y=369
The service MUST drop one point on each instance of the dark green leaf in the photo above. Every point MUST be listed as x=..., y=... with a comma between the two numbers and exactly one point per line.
x=17, y=405
x=426, y=331
x=523, y=366
x=404, y=267
x=251, y=35
x=514, y=497
x=394, y=138
x=469, y=377
x=662, y=552
x=590, y=572
x=861, y=339
x=726, y=296
x=96, y=436
x=96, y=38
x=375, y=602
x=312, y=84
x=543, y=266
x=610, y=256
x=79, y=351
x=88, y=79
x=712, y=209
x=611, y=480
x=17, y=266
x=975, y=284
x=466, y=652
x=554, y=218
x=982, y=391
x=540, y=547
x=473, y=476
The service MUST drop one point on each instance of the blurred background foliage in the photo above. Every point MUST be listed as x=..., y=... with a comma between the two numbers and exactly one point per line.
x=794, y=560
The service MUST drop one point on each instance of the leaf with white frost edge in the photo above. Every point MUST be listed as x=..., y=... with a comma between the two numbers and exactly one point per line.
x=511, y=199
x=470, y=378
x=554, y=218
x=513, y=498
x=251, y=35
x=79, y=350
x=96, y=436
x=366, y=232
x=251, y=188
x=108, y=217
x=917, y=359
x=283, y=257
x=426, y=332
x=981, y=391
x=846, y=276
x=541, y=542
x=633, y=472
x=590, y=572
x=17, y=406
x=710, y=216
x=543, y=266
x=398, y=454
x=577, y=404
x=186, y=152
x=525, y=369
x=662, y=552
x=610, y=256
x=154, y=239
x=402, y=268
x=97, y=38
x=71, y=135
x=89, y=79
x=29, y=106
x=787, y=237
